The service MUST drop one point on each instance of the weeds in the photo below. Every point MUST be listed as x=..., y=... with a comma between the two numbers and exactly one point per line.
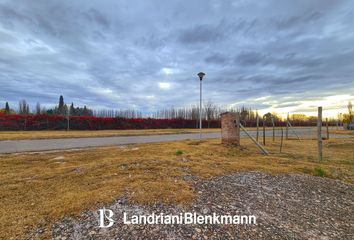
x=319, y=172
x=179, y=152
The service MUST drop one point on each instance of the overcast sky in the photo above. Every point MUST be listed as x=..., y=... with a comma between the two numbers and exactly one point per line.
x=269, y=55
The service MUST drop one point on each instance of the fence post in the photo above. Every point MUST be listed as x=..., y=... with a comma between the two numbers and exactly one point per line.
x=264, y=142
x=237, y=120
x=327, y=128
x=257, y=123
x=319, y=136
x=68, y=120
x=287, y=128
x=273, y=128
x=281, y=139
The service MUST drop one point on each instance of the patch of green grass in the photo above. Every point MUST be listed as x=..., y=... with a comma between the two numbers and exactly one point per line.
x=179, y=152
x=319, y=172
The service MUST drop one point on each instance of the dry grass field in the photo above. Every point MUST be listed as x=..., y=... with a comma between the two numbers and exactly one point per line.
x=21, y=135
x=37, y=189
x=345, y=132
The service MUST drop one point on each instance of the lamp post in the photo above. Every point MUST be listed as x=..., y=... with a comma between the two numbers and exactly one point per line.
x=200, y=75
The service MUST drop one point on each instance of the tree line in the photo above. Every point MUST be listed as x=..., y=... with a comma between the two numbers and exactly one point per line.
x=209, y=113
x=60, y=109
x=64, y=110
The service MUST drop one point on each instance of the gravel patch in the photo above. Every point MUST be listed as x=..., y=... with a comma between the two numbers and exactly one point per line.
x=286, y=207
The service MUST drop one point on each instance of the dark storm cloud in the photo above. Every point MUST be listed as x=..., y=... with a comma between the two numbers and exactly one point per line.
x=250, y=58
x=216, y=58
x=95, y=16
x=294, y=21
x=116, y=54
x=201, y=34
x=216, y=32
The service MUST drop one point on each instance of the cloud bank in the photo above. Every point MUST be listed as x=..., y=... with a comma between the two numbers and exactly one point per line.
x=270, y=55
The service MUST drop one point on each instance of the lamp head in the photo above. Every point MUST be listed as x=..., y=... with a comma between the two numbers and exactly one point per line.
x=201, y=75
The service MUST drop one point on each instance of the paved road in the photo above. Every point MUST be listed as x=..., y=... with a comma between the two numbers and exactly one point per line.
x=14, y=146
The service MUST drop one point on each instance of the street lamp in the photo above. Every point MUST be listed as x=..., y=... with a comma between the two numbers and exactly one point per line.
x=200, y=75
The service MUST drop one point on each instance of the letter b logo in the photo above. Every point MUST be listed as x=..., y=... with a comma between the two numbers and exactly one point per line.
x=106, y=214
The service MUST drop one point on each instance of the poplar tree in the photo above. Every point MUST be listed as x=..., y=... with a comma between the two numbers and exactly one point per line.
x=7, y=108
x=61, y=105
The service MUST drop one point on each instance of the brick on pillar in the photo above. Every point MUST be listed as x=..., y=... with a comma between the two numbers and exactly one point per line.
x=230, y=133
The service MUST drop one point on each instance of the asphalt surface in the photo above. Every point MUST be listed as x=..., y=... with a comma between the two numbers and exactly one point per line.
x=13, y=146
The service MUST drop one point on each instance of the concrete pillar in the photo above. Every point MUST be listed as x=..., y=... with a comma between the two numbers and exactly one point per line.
x=230, y=130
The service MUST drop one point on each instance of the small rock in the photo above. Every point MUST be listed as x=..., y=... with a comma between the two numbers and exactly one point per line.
x=205, y=211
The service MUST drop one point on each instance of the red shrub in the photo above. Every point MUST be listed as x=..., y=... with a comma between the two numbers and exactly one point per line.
x=56, y=122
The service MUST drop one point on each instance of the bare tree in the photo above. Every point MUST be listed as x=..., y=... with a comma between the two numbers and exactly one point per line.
x=23, y=107
x=210, y=111
x=38, y=108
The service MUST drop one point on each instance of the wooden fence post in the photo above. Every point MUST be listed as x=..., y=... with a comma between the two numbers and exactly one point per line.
x=319, y=136
x=273, y=129
x=68, y=120
x=287, y=128
x=257, y=123
x=264, y=141
x=238, y=135
x=327, y=129
x=281, y=139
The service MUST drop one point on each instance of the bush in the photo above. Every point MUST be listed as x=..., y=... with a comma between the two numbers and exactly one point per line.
x=57, y=122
